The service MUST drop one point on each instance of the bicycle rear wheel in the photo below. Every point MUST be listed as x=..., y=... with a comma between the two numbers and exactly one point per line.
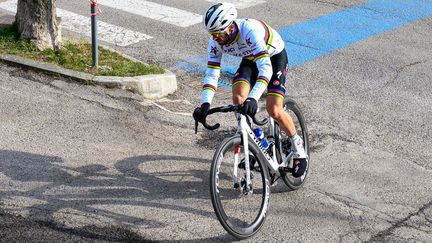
x=283, y=142
x=241, y=215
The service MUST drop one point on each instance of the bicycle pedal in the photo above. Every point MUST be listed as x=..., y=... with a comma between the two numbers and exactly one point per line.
x=236, y=185
x=286, y=169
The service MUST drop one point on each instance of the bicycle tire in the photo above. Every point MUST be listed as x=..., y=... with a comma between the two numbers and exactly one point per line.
x=296, y=113
x=230, y=204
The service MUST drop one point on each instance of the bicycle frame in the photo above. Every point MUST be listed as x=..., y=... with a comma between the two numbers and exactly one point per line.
x=271, y=162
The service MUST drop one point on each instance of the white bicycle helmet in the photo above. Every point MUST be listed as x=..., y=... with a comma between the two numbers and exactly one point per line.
x=219, y=16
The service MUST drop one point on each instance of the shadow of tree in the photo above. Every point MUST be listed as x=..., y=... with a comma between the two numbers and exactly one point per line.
x=53, y=187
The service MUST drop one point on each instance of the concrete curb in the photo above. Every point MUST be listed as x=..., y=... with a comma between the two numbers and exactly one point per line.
x=153, y=86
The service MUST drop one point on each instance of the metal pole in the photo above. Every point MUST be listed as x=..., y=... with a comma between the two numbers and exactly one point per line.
x=93, y=10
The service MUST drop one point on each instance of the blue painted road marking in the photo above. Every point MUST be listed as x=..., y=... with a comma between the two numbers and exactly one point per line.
x=309, y=40
x=318, y=37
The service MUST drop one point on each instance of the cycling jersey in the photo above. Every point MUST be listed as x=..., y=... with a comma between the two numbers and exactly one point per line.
x=253, y=40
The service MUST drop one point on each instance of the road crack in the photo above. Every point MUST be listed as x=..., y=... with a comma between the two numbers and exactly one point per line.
x=321, y=140
x=333, y=4
x=402, y=69
x=355, y=221
x=303, y=45
x=381, y=236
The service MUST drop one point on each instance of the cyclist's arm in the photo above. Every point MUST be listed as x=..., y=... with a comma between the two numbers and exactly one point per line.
x=262, y=59
x=210, y=81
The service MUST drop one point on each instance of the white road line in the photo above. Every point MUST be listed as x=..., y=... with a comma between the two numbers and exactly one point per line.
x=81, y=24
x=240, y=4
x=155, y=11
x=172, y=112
x=106, y=32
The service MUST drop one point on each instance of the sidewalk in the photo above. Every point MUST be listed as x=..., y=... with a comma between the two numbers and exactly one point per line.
x=153, y=86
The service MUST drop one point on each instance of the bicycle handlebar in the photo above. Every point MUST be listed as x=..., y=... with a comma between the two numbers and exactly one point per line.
x=228, y=108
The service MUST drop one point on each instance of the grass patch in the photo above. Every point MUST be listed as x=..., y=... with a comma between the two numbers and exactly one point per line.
x=75, y=56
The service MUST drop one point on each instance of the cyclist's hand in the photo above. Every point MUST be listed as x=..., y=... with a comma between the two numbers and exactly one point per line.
x=249, y=107
x=200, y=113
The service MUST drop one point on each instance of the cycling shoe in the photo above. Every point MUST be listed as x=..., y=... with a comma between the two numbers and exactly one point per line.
x=299, y=167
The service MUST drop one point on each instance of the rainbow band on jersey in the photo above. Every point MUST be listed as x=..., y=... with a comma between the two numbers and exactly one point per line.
x=213, y=65
x=237, y=35
x=240, y=81
x=260, y=55
x=275, y=92
x=268, y=35
x=209, y=87
x=263, y=80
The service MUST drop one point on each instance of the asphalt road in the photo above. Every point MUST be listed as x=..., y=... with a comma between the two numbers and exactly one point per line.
x=81, y=163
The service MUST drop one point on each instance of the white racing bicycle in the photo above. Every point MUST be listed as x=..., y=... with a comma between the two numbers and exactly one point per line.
x=242, y=170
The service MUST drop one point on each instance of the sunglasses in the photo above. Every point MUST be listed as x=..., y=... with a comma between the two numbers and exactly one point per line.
x=217, y=35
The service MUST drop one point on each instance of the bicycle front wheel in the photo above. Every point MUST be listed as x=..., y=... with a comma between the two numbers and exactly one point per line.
x=240, y=213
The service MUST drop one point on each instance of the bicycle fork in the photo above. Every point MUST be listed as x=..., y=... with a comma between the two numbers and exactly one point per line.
x=247, y=184
x=248, y=187
x=236, y=163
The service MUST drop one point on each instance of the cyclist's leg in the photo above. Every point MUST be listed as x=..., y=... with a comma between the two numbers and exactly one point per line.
x=243, y=80
x=240, y=91
x=275, y=96
x=274, y=108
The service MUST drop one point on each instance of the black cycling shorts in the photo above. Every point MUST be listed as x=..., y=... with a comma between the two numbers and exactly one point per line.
x=248, y=71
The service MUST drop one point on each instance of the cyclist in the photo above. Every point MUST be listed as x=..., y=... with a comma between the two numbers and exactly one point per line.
x=263, y=66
